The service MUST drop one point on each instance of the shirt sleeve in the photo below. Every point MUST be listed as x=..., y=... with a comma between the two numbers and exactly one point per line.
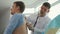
x=15, y=21
x=30, y=19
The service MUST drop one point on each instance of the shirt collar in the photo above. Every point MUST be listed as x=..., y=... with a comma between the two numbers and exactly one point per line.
x=18, y=13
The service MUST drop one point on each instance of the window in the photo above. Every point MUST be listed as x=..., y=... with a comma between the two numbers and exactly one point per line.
x=52, y=1
x=54, y=11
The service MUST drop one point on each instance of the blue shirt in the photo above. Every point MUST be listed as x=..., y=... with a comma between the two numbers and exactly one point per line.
x=16, y=21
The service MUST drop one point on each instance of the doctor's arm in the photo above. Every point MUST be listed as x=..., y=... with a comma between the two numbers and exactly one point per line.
x=29, y=25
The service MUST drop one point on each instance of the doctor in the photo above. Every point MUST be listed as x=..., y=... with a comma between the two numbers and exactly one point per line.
x=17, y=23
x=40, y=20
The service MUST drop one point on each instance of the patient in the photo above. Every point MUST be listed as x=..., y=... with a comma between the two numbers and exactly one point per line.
x=17, y=24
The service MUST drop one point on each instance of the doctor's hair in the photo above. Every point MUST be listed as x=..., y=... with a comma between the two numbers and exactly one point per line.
x=21, y=5
x=46, y=4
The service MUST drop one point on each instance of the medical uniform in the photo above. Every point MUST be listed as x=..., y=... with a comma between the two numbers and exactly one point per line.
x=41, y=23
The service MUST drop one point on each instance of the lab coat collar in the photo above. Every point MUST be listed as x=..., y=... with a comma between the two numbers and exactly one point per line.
x=39, y=14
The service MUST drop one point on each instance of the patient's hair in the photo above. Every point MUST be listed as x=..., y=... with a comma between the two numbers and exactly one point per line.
x=21, y=5
x=46, y=4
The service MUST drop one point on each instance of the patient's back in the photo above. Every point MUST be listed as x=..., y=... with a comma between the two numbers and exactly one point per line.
x=21, y=29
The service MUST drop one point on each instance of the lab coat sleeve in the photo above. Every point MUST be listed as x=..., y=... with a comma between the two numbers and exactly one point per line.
x=29, y=25
x=28, y=19
x=15, y=21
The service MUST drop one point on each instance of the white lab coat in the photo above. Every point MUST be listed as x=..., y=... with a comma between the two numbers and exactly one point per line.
x=41, y=24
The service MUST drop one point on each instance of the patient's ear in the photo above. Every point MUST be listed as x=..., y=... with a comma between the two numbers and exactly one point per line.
x=48, y=10
x=18, y=8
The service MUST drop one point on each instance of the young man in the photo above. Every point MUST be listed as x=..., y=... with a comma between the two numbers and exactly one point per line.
x=40, y=20
x=17, y=23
